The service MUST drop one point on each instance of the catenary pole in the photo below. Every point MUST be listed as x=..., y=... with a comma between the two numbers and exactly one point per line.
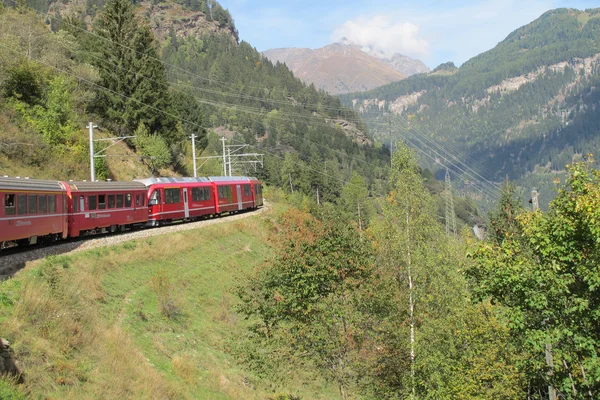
x=224, y=161
x=194, y=153
x=91, y=127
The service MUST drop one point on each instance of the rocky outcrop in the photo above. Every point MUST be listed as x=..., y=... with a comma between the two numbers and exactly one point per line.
x=350, y=130
x=172, y=17
x=8, y=364
x=163, y=18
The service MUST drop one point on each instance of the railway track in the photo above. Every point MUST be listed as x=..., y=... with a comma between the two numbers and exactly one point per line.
x=14, y=259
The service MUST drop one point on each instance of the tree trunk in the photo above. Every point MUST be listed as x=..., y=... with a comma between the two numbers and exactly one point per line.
x=411, y=304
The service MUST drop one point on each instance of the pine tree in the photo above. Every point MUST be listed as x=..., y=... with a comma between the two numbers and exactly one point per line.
x=130, y=70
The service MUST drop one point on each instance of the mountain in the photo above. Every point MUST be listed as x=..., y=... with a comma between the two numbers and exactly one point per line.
x=337, y=68
x=210, y=85
x=401, y=63
x=521, y=110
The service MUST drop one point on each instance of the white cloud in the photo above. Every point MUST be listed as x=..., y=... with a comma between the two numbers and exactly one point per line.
x=383, y=34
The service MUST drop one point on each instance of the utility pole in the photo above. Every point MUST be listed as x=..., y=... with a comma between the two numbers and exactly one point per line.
x=318, y=200
x=224, y=162
x=91, y=127
x=194, y=153
x=229, y=158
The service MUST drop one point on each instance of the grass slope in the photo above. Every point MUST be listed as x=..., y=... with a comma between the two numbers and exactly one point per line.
x=150, y=318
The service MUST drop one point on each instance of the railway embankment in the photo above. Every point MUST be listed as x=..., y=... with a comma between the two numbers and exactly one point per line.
x=143, y=315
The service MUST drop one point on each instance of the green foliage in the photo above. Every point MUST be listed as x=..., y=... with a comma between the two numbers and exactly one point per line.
x=547, y=275
x=8, y=391
x=308, y=299
x=152, y=148
x=131, y=71
x=355, y=200
x=25, y=82
x=55, y=117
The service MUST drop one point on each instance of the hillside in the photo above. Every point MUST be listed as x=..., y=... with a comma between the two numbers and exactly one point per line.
x=521, y=110
x=153, y=318
x=196, y=78
x=337, y=68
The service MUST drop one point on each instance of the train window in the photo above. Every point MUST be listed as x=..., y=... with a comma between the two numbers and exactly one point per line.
x=43, y=203
x=111, y=201
x=223, y=192
x=195, y=194
x=32, y=204
x=247, y=191
x=119, y=201
x=22, y=204
x=154, y=199
x=101, y=202
x=206, y=193
x=52, y=203
x=128, y=200
x=9, y=204
x=172, y=196
x=92, y=203
x=143, y=200
x=137, y=200
x=75, y=205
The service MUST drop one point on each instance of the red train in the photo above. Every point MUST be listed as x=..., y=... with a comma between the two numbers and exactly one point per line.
x=34, y=211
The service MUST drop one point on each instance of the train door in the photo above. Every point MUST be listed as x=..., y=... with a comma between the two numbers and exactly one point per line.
x=186, y=206
x=239, y=196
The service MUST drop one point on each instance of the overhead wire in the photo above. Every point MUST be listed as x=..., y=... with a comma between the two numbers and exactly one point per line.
x=241, y=95
x=170, y=114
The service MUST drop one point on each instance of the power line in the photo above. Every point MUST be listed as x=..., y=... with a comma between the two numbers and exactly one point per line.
x=171, y=115
x=250, y=109
x=246, y=108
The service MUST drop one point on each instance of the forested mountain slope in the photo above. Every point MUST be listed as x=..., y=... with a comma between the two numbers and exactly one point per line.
x=521, y=110
x=173, y=69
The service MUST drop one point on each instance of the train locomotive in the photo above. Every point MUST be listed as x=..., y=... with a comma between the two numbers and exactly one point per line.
x=42, y=211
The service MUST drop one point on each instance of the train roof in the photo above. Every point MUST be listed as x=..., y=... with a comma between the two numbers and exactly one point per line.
x=105, y=186
x=154, y=181
x=7, y=183
x=229, y=178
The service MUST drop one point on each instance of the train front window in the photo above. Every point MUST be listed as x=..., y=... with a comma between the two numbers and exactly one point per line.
x=9, y=204
x=154, y=199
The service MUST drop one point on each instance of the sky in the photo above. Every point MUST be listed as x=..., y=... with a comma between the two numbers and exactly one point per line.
x=432, y=31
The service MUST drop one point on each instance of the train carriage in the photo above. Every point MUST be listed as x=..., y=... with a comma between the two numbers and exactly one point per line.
x=32, y=211
x=96, y=207
x=174, y=199
x=234, y=193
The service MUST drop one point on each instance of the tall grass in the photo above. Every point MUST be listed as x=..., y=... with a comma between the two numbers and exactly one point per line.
x=148, y=319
